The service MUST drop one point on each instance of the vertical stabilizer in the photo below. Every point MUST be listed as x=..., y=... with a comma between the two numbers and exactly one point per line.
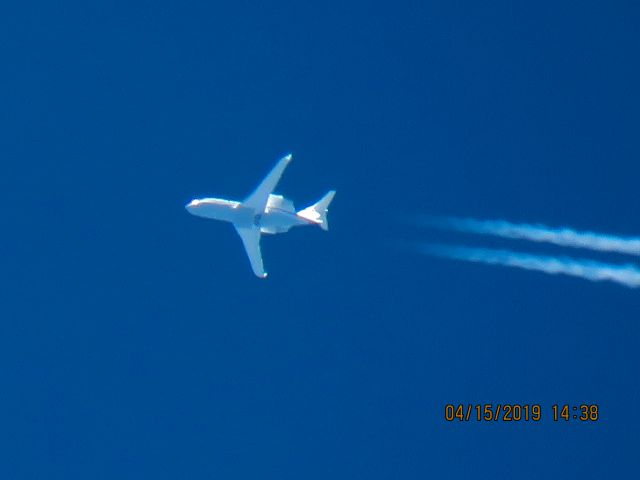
x=317, y=213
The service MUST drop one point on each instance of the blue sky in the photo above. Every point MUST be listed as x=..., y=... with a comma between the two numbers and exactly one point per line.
x=135, y=341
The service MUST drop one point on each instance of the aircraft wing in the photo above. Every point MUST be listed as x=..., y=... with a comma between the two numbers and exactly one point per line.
x=251, y=240
x=258, y=199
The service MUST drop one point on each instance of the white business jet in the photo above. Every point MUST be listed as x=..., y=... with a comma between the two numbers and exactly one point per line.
x=262, y=212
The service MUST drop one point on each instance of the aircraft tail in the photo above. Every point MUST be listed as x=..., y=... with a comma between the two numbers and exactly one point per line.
x=317, y=213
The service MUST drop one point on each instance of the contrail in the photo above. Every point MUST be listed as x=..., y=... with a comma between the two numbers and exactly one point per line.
x=565, y=237
x=627, y=275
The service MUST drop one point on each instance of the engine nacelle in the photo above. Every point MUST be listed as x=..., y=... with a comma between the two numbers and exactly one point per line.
x=278, y=202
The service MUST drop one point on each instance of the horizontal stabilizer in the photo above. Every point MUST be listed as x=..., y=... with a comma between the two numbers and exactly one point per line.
x=317, y=213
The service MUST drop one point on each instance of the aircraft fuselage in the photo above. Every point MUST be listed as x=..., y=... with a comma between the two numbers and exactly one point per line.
x=272, y=220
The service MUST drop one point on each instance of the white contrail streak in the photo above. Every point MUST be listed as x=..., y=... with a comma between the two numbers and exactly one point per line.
x=627, y=275
x=565, y=237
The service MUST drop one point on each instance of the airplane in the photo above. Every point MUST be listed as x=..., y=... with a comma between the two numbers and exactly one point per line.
x=262, y=212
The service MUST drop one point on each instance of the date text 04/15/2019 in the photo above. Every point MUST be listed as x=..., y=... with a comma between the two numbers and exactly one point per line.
x=514, y=412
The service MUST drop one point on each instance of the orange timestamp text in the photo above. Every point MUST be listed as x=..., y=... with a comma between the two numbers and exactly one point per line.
x=516, y=412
